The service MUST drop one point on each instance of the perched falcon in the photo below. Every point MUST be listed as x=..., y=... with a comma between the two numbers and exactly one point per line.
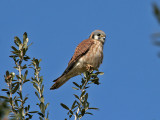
x=88, y=54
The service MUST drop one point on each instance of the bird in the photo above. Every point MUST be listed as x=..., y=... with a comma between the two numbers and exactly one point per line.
x=88, y=55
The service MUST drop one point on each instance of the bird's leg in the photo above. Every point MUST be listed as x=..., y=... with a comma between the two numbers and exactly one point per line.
x=89, y=68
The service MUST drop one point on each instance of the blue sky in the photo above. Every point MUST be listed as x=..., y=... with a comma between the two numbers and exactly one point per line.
x=129, y=89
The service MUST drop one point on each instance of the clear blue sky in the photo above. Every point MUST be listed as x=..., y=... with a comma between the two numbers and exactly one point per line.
x=130, y=87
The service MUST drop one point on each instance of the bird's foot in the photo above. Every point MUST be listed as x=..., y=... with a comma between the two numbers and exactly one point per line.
x=89, y=68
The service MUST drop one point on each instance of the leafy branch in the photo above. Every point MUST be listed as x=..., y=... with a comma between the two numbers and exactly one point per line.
x=37, y=83
x=14, y=91
x=81, y=105
x=15, y=82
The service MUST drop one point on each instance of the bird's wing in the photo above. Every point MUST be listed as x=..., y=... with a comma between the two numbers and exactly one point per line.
x=81, y=50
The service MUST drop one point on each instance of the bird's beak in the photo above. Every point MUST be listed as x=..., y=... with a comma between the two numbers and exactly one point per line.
x=103, y=37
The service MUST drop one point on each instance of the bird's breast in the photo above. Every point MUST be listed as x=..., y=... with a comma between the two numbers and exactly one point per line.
x=94, y=56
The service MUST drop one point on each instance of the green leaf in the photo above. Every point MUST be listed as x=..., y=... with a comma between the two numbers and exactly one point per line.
x=30, y=44
x=94, y=80
x=16, y=103
x=71, y=112
x=13, y=56
x=75, y=88
x=76, y=96
x=83, y=112
x=83, y=81
x=46, y=106
x=14, y=80
x=25, y=81
x=41, y=114
x=35, y=86
x=99, y=73
x=4, y=89
x=34, y=80
x=37, y=95
x=89, y=113
x=24, y=36
x=24, y=51
x=86, y=96
x=25, y=41
x=42, y=107
x=94, y=75
x=70, y=116
x=36, y=62
x=83, y=93
x=25, y=74
x=30, y=116
x=13, y=48
x=41, y=79
x=20, y=95
x=17, y=41
x=73, y=105
x=42, y=99
x=64, y=106
x=40, y=60
x=22, y=77
x=7, y=73
x=87, y=87
x=16, y=52
x=94, y=108
x=28, y=107
x=20, y=47
x=76, y=84
x=4, y=97
x=85, y=74
x=25, y=99
x=78, y=103
x=33, y=112
x=42, y=89
x=87, y=105
x=10, y=101
x=18, y=77
x=15, y=88
x=24, y=67
x=47, y=114
x=26, y=58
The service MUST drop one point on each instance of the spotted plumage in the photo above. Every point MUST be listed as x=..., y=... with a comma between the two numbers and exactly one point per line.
x=88, y=53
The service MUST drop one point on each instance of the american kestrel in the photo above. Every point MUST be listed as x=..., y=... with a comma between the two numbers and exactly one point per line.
x=88, y=54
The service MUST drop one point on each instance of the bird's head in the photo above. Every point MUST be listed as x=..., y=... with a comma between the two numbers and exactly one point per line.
x=98, y=35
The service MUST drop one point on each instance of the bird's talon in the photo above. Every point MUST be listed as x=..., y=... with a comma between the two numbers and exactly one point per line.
x=89, y=68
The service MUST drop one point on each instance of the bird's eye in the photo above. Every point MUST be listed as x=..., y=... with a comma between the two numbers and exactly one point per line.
x=98, y=34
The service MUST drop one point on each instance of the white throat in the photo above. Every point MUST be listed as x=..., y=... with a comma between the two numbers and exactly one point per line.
x=96, y=37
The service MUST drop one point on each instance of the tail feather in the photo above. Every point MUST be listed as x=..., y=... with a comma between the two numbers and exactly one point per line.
x=59, y=82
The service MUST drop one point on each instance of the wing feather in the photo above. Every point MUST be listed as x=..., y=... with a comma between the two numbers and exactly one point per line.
x=81, y=50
